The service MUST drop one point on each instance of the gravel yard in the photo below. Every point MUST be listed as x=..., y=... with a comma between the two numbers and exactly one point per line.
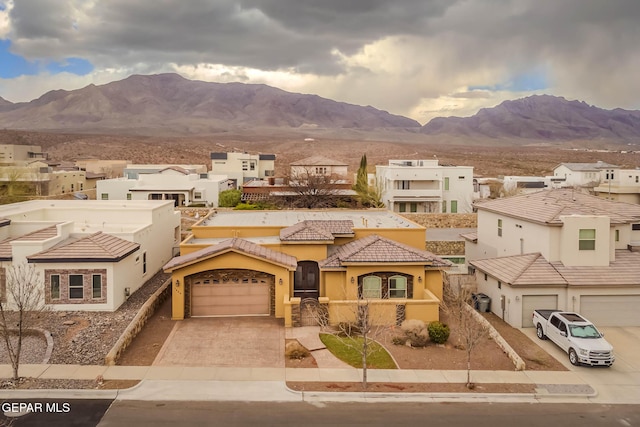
x=84, y=338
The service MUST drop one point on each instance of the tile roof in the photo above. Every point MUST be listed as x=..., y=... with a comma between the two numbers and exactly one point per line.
x=97, y=247
x=547, y=207
x=6, y=253
x=521, y=270
x=236, y=244
x=472, y=237
x=534, y=270
x=321, y=230
x=377, y=249
x=318, y=161
x=588, y=167
x=624, y=271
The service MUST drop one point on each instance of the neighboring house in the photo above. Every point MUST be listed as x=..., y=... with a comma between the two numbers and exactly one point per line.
x=268, y=262
x=584, y=175
x=425, y=186
x=622, y=185
x=170, y=183
x=17, y=155
x=133, y=171
x=558, y=249
x=513, y=185
x=91, y=254
x=318, y=166
x=42, y=179
x=243, y=167
x=107, y=168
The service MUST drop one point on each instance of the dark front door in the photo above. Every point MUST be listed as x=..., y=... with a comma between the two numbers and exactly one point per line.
x=306, y=283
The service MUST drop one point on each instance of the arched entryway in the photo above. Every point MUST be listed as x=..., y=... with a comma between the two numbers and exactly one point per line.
x=230, y=292
x=306, y=282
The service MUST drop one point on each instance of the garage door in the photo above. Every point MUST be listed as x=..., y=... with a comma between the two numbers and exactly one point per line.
x=246, y=297
x=535, y=302
x=611, y=310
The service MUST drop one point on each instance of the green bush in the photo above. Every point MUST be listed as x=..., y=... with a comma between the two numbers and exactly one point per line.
x=246, y=207
x=438, y=332
x=229, y=198
x=295, y=350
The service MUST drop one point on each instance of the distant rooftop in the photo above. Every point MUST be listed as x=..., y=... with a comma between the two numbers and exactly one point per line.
x=588, y=167
x=360, y=218
x=318, y=161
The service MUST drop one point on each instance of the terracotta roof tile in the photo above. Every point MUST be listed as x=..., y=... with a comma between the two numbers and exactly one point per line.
x=377, y=249
x=321, y=230
x=97, y=247
x=624, y=271
x=38, y=235
x=237, y=244
x=547, y=207
x=521, y=270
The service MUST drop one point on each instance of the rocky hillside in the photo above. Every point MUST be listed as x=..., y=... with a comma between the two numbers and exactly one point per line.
x=169, y=102
x=542, y=117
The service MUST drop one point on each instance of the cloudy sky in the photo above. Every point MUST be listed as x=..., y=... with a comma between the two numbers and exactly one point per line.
x=419, y=58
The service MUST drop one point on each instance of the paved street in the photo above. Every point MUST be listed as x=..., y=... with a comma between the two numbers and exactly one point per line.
x=156, y=414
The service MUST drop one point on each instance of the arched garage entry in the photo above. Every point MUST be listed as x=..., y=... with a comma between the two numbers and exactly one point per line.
x=230, y=292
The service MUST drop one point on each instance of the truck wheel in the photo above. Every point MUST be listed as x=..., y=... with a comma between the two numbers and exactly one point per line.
x=573, y=357
x=540, y=332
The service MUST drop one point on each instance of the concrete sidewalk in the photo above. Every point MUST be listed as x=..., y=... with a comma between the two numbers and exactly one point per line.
x=269, y=384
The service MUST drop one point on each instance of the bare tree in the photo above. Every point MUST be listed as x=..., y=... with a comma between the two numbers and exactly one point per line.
x=20, y=305
x=359, y=325
x=470, y=331
x=314, y=190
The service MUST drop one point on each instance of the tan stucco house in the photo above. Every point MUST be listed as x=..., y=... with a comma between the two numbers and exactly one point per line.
x=270, y=262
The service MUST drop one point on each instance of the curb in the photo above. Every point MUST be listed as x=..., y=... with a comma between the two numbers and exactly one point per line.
x=59, y=394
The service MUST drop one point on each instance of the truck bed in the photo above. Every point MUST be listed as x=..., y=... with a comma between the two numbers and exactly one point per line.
x=546, y=313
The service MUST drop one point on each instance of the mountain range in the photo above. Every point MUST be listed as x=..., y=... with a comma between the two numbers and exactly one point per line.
x=169, y=103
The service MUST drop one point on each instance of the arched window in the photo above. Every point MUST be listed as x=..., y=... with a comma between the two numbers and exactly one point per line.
x=397, y=287
x=371, y=287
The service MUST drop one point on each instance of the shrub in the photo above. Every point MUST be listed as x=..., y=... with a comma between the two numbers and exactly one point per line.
x=229, y=198
x=416, y=332
x=399, y=340
x=438, y=332
x=295, y=350
x=246, y=207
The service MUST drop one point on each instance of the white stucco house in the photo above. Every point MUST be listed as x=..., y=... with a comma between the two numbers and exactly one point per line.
x=91, y=254
x=243, y=167
x=584, y=175
x=558, y=249
x=619, y=184
x=171, y=183
x=425, y=186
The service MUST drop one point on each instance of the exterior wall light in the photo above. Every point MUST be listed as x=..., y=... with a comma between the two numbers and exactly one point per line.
x=280, y=281
x=353, y=279
x=177, y=283
x=419, y=279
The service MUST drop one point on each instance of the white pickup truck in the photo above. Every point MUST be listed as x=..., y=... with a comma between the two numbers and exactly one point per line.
x=575, y=335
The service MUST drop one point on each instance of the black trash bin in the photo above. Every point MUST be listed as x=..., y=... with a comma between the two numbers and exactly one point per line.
x=483, y=302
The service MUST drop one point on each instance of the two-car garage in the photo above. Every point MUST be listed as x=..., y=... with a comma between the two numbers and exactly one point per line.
x=611, y=310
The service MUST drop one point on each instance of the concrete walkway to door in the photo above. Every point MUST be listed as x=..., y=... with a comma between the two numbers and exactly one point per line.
x=224, y=341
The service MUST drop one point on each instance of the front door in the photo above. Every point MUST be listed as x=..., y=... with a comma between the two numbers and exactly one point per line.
x=306, y=282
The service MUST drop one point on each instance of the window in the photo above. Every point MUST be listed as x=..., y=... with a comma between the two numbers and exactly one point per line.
x=321, y=171
x=446, y=183
x=397, y=287
x=128, y=196
x=587, y=239
x=197, y=195
x=404, y=185
x=500, y=227
x=371, y=287
x=252, y=166
x=55, y=286
x=245, y=166
x=104, y=196
x=499, y=284
x=96, y=286
x=617, y=235
x=635, y=227
x=454, y=206
x=76, y=286
x=485, y=277
x=637, y=179
x=413, y=207
x=444, y=206
x=461, y=177
x=144, y=263
x=402, y=207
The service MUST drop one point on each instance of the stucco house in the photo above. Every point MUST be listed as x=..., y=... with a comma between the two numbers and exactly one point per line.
x=425, y=186
x=586, y=175
x=558, y=249
x=622, y=185
x=91, y=254
x=270, y=262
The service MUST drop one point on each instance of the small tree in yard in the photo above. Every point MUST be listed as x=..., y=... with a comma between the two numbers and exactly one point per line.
x=229, y=198
x=470, y=331
x=20, y=305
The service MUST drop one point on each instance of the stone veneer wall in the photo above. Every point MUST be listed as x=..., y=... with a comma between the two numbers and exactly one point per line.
x=445, y=248
x=146, y=311
x=442, y=220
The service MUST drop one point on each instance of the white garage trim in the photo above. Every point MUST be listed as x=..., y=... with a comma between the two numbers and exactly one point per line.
x=535, y=302
x=611, y=310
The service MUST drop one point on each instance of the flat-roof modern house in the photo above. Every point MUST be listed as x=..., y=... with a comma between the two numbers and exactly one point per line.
x=585, y=175
x=171, y=183
x=91, y=254
x=619, y=184
x=242, y=167
x=558, y=249
x=269, y=262
x=425, y=186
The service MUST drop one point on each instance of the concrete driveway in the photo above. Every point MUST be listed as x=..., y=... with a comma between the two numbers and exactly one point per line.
x=224, y=341
x=621, y=381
